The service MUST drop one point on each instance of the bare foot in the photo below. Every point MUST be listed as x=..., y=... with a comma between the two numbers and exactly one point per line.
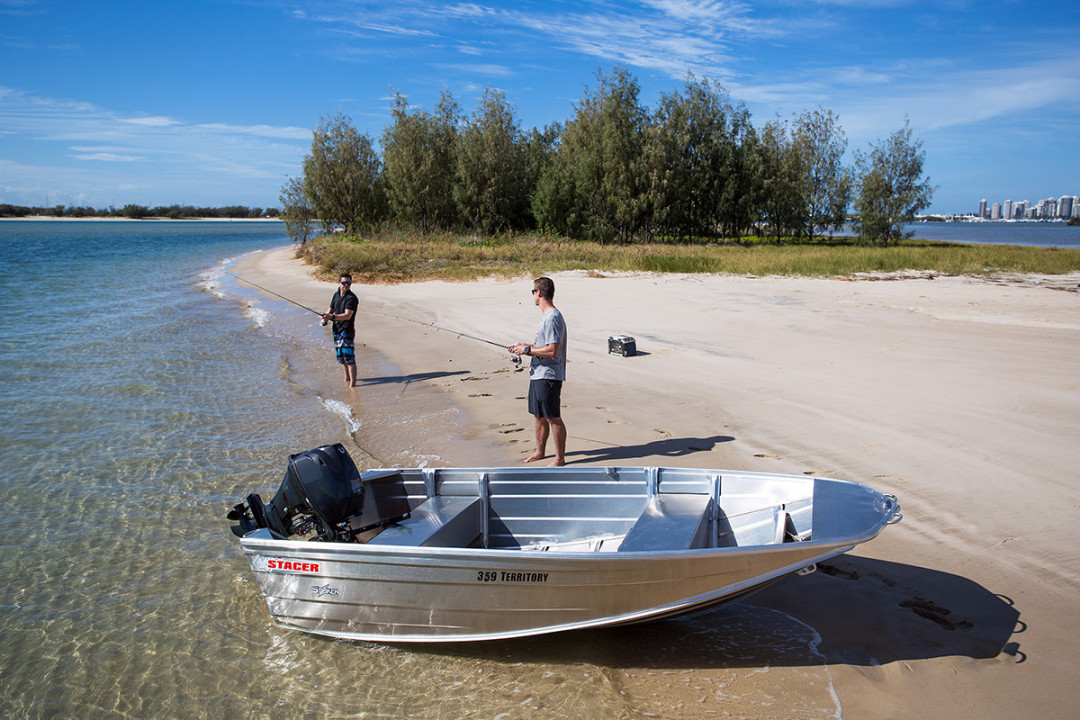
x=558, y=463
x=533, y=458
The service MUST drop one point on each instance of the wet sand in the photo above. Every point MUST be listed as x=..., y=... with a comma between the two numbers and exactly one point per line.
x=961, y=396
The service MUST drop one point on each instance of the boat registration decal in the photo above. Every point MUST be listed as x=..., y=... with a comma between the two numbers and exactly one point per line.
x=512, y=577
x=266, y=564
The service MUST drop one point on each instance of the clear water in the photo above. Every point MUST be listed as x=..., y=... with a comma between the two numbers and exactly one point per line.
x=143, y=393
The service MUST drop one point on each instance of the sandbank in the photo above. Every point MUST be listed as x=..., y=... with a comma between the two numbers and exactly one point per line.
x=959, y=395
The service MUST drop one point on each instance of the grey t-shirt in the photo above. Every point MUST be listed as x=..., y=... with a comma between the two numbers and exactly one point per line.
x=552, y=330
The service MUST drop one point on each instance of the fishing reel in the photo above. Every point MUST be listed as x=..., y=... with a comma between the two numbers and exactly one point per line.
x=516, y=359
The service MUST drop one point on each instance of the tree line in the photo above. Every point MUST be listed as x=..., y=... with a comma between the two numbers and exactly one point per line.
x=694, y=168
x=174, y=212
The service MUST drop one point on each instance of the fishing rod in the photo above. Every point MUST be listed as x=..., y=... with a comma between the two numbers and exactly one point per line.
x=305, y=307
x=516, y=359
x=513, y=358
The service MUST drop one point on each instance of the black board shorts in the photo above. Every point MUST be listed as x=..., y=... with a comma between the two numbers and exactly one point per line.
x=545, y=397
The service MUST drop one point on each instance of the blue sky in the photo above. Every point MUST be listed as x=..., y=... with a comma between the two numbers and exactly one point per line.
x=212, y=103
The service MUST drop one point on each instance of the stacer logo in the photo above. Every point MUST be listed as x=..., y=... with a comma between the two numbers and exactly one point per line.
x=304, y=567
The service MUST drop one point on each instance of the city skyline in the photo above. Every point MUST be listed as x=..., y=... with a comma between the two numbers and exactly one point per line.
x=1063, y=207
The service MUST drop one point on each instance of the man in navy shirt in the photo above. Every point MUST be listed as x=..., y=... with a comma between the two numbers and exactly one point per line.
x=342, y=314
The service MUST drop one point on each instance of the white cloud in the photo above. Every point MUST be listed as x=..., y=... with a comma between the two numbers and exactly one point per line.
x=479, y=69
x=266, y=131
x=108, y=157
x=957, y=99
x=150, y=121
x=116, y=150
x=396, y=30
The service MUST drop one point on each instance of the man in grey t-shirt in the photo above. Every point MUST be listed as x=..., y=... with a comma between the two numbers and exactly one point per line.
x=546, y=372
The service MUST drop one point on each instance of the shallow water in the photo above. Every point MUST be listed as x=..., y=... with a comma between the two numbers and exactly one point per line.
x=144, y=393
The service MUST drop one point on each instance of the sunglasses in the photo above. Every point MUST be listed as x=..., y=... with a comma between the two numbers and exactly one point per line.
x=346, y=282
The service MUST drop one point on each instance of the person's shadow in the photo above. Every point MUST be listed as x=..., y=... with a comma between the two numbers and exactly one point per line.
x=668, y=447
x=407, y=379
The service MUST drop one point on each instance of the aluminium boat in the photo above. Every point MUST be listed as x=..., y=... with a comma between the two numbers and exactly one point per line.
x=453, y=554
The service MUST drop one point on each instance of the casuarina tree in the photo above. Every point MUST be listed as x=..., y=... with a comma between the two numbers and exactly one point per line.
x=891, y=187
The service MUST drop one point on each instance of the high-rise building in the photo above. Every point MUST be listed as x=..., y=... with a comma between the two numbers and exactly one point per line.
x=995, y=213
x=1006, y=212
x=1065, y=207
x=982, y=208
x=1047, y=209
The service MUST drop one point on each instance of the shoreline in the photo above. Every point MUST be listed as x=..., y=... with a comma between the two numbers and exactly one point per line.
x=956, y=394
x=155, y=219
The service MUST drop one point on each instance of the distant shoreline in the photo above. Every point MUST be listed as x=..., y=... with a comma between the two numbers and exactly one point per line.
x=49, y=218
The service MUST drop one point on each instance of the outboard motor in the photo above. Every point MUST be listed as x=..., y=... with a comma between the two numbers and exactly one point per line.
x=318, y=488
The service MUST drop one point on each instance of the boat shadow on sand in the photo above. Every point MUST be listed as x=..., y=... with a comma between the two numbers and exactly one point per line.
x=853, y=611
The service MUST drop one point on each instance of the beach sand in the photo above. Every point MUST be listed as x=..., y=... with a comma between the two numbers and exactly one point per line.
x=959, y=395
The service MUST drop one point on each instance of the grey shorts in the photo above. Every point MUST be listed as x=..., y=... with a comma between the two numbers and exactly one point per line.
x=545, y=397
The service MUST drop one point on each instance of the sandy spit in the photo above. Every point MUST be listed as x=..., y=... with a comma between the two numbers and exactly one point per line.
x=959, y=395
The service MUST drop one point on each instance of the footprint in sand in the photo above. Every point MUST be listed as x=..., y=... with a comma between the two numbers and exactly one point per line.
x=480, y=395
x=934, y=613
x=768, y=457
x=833, y=571
x=511, y=430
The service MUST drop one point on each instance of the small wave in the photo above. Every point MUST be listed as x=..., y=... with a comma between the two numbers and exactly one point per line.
x=423, y=460
x=344, y=412
x=256, y=313
x=212, y=284
x=212, y=281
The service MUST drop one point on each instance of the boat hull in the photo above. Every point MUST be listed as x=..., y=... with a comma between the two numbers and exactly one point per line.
x=426, y=595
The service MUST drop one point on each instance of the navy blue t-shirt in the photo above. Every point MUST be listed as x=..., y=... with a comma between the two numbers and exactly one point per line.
x=340, y=303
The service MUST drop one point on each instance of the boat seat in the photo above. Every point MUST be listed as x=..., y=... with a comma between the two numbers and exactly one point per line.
x=441, y=521
x=671, y=522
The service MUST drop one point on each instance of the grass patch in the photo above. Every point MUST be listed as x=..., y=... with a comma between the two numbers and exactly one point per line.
x=402, y=257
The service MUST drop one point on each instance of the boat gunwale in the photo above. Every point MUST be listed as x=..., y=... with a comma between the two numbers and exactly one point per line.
x=313, y=548
x=335, y=550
